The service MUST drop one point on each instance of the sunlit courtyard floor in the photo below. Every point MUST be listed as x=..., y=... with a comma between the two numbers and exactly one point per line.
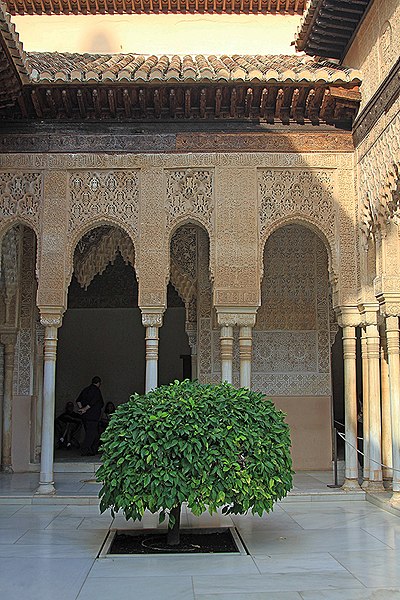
x=313, y=546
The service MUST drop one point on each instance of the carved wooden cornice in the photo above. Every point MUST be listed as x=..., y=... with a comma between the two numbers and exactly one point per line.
x=328, y=26
x=75, y=7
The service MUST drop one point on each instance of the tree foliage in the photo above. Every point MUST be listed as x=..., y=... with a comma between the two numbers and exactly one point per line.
x=207, y=445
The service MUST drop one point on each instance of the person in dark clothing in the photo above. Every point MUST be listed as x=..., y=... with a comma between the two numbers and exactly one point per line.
x=90, y=403
x=67, y=427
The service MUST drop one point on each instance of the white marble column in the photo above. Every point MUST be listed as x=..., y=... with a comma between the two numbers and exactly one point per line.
x=8, y=340
x=374, y=402
x=226, y=342
x=152, y=321
x=386, y=415
x=350, y=407
x=51, y=323
x=393, y=341
x=364, y=366
x=246, y=323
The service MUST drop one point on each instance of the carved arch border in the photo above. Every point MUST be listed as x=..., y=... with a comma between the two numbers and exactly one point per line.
x=87, y=226
x=298, y=218
x=7, y=224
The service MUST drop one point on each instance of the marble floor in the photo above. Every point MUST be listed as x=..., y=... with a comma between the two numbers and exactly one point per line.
x=339, y=549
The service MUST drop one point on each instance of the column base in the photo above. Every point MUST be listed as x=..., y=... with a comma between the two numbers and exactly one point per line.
x=395, y=500
x=365, y=484
x=375, y=486
x=46, y=489
x=351, y=485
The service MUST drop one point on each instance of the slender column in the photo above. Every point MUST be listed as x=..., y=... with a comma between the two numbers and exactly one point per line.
x=365, y=394
x=226, y=341
x=246, y=323
x=39, y=395
x=9, y=340
x=374, y=401
x=386, y=416
x=51, y=324
x=392, y=335
x=350, y=407
x=152, y=321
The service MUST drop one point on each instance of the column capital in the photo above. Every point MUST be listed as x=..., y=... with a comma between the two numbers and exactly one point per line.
x=153, y=316
x=369, y=313
x=51, y=316
x=241, y=316
x=348, y=316
x=390, y=304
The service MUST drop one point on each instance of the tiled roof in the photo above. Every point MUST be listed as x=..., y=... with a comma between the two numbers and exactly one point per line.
x=49, y=7
x=108, y=68
x=12, y=60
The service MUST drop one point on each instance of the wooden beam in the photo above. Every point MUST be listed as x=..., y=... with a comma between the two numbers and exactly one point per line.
x=233, y=104
x=157, y=103
x=263, y=103
x=96, y=103
x=81, y=104
x=142, y=102
x=203, y=103
x=248, y=102
x=112, y=103
x=187, y=104
x=172, y=104
x=127, y=103
x=37, y=105
x=66, y=103
x=218, y=102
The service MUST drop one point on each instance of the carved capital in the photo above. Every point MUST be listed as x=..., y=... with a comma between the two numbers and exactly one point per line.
x=349, y=316
x=152, y=318
x=51, y=316
x=241, y=318
x=369, y=312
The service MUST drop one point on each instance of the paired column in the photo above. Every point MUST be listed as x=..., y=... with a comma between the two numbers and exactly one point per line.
x=8, y=340
x=51, y=322
x=245, y=321
x=152, y=321
x=393, y=341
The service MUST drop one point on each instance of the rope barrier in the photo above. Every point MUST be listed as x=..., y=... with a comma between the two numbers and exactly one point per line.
x=362, y=453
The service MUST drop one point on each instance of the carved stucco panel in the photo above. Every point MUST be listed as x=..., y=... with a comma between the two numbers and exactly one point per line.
x=152, y=252
x=25, y=346
x=346, y=206
x=237, y=268
x=20, y=198
x=54, y=249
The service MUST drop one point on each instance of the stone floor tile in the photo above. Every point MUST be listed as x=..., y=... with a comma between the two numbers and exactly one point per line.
x=379, y=568
x=298, y=563
x=255, y=596
x=42, y=578
x=159, y=566
x=234, y=584
x=342, y=594
x=138, y=588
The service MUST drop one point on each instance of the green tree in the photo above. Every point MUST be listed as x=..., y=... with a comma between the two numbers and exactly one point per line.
x=206, y=445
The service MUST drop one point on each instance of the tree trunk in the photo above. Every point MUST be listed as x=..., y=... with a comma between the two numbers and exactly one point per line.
x=173, y=536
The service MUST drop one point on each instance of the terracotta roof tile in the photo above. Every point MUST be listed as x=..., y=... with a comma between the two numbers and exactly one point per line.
x=57, y=67
x=13, y=70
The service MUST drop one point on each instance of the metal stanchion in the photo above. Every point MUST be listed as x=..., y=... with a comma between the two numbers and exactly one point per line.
x=335, y=461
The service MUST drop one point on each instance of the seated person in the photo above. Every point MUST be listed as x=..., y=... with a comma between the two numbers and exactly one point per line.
x=106, y=416
x=67, y=427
